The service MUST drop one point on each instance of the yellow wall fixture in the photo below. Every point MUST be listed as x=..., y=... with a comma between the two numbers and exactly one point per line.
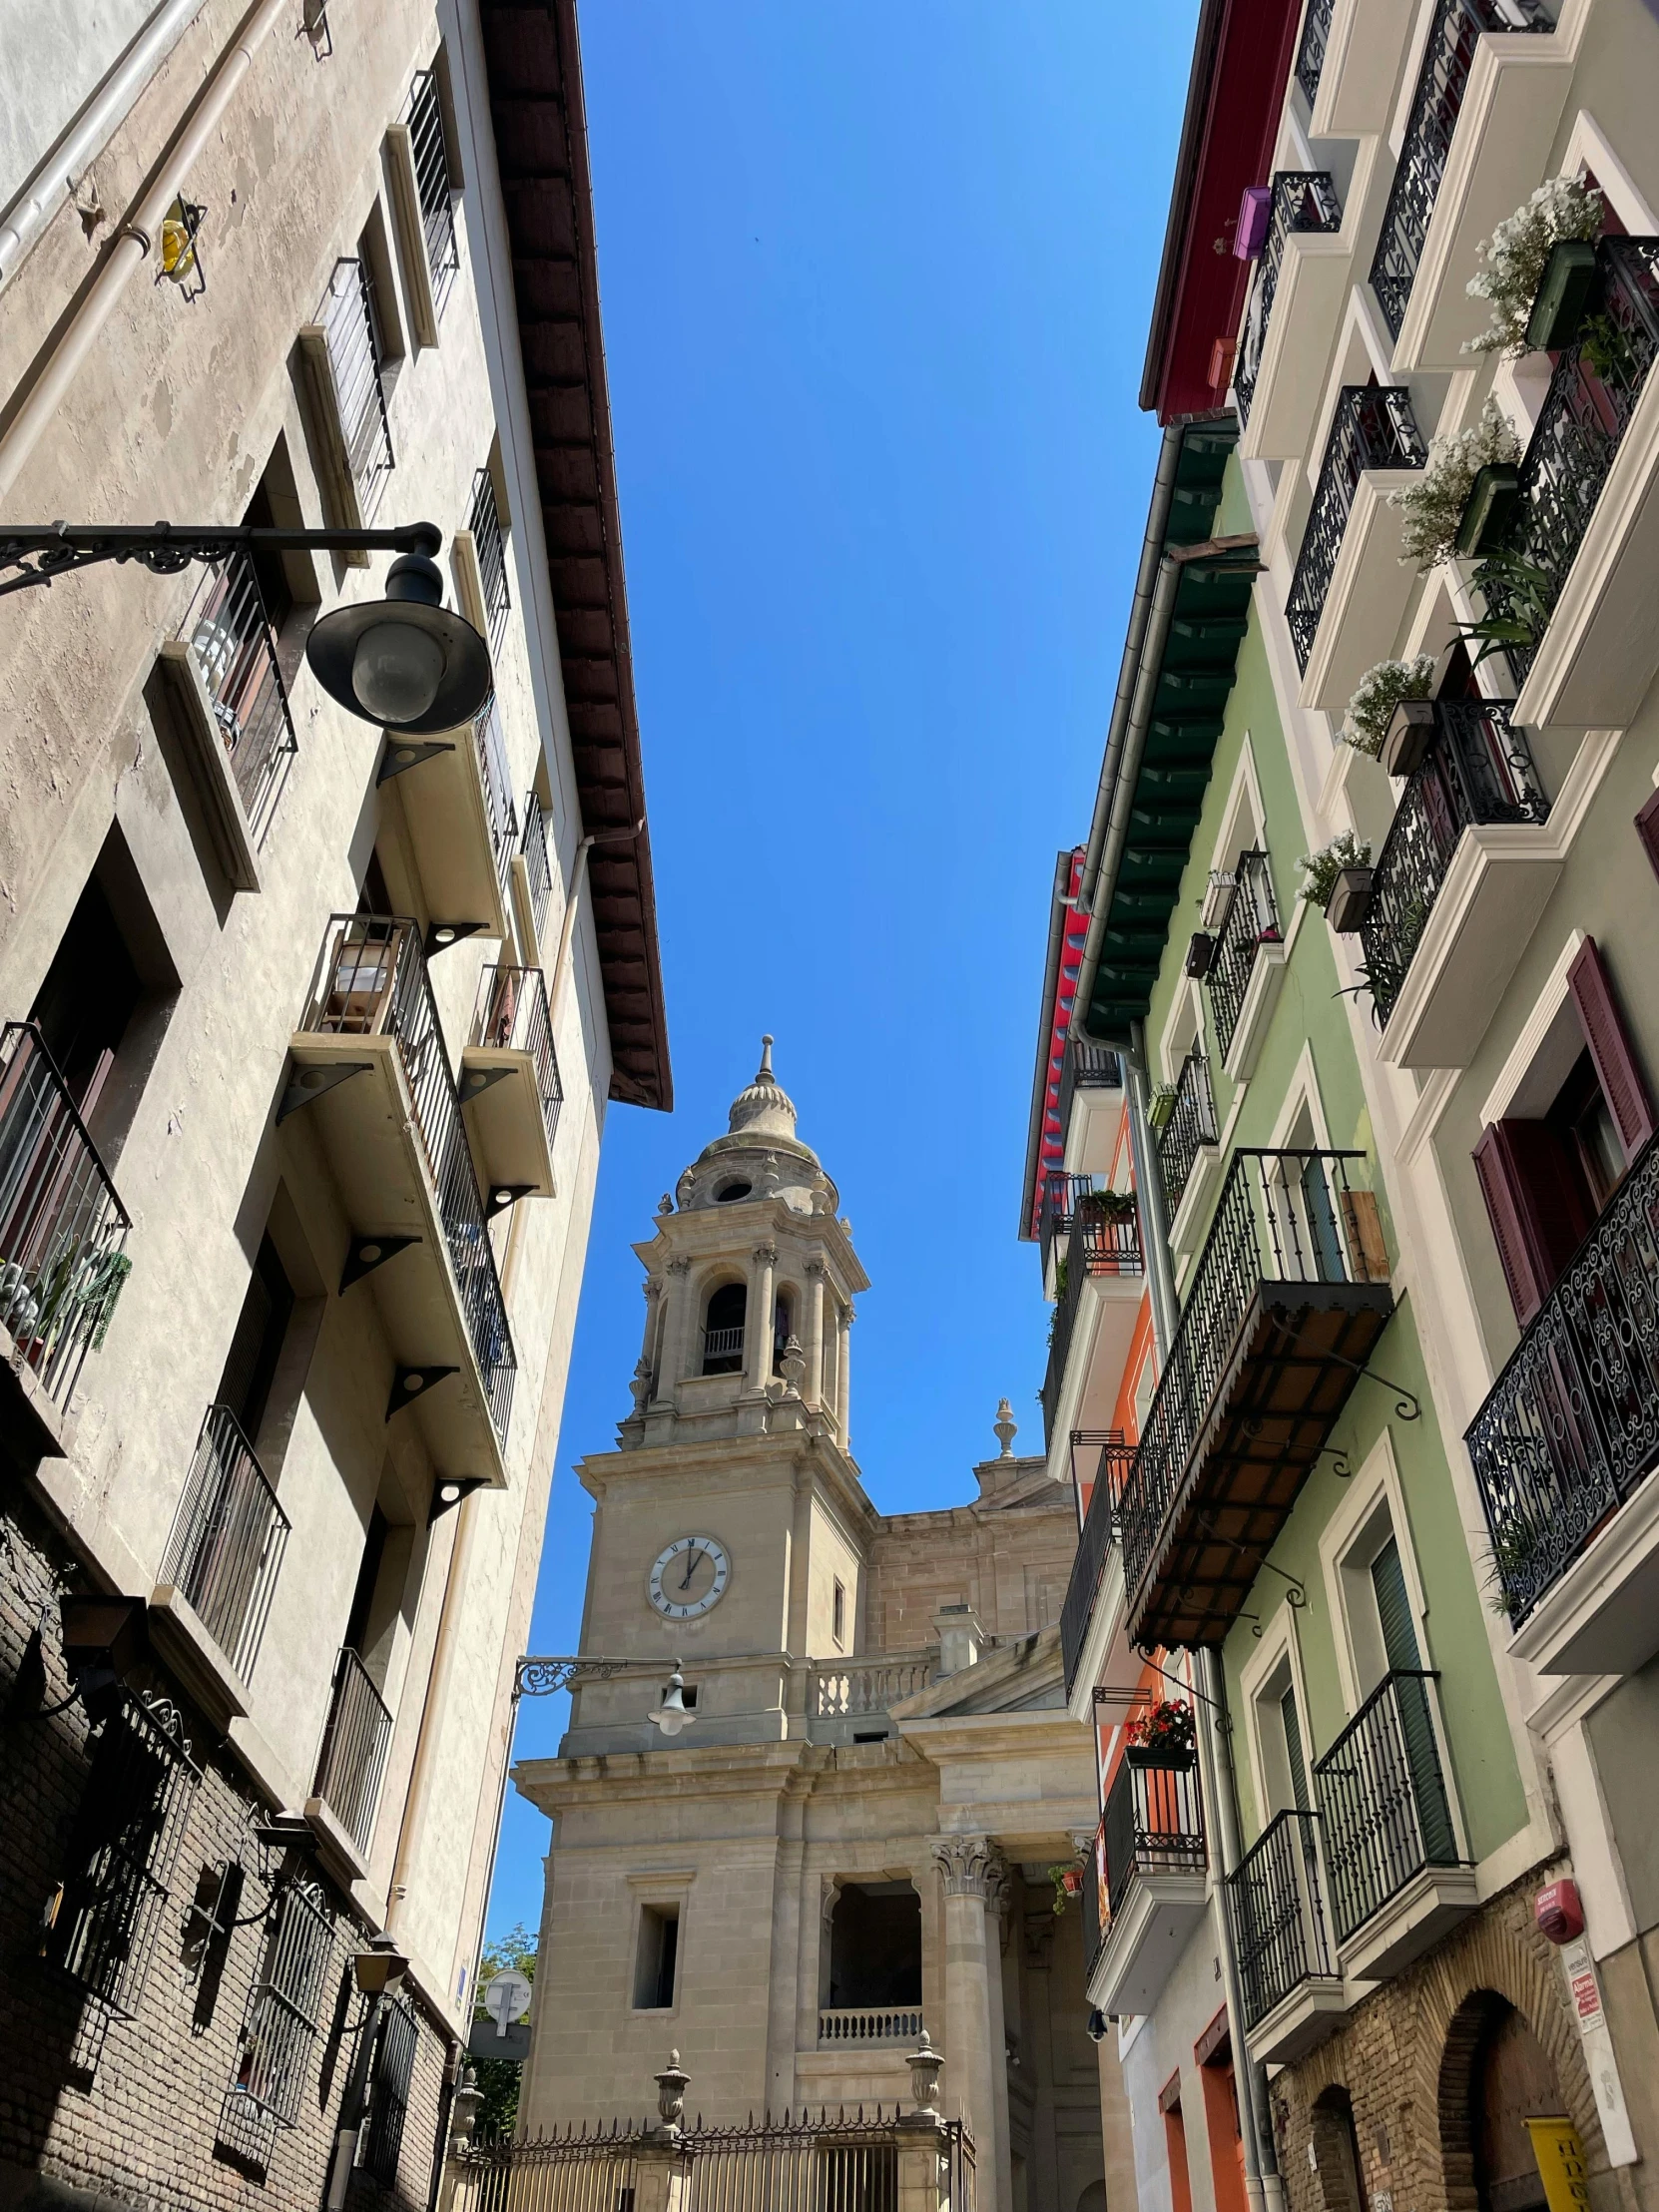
x=1560, y=2157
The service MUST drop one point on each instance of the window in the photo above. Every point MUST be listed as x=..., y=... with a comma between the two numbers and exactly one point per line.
x=434, y=182
x=838, y=1614
x=782, y=1326
x=489, y=542
x=257, y=1342
x=656, y=1957
x=723, y=1330
x=1175, y=2144
x=287, y=2002
x=1221, y=2116
x=874, y=1951
x=381, y=2141
x=358, y=365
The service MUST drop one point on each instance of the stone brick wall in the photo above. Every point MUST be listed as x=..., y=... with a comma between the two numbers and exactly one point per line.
x=132, y=2108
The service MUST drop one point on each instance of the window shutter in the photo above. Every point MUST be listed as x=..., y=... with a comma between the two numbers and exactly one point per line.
x=1293, y=1754
x=1393, y=1609
x=1647, y=828
x=1503, y=1189
x=1616, y=1065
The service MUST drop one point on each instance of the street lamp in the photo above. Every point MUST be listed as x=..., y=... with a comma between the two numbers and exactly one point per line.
x=540, y=1677
x=377, y=1970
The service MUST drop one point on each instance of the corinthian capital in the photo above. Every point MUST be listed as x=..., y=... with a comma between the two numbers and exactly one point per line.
x=766, y=1255
x=971, y=1867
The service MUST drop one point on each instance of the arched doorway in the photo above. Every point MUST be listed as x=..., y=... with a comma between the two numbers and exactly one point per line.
x=1335, y=2146
x=1511, y=2081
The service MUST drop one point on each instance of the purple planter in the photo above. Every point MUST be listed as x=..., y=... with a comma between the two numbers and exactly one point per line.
x=1255, y=214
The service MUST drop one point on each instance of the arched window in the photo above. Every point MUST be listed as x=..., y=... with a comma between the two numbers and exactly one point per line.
x=723, y=1330
x=781, y=1327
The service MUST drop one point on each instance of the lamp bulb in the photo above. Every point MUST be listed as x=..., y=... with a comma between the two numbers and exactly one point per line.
x=396, y=671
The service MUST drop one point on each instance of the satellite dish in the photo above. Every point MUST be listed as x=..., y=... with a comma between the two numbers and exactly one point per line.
x=506, y=1998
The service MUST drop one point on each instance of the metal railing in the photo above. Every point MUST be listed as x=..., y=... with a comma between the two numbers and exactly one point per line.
x=62, y=1226
x=356, y=361
x=1251, y=921
x=1569, y=1430
x=434, y=187
x=841, y=1690
x=1191, y=1123
x=1382, y=1790
x=1373, y=427
x=352, y=1762
x=289, y=2001
x=371, y=980
x=1060, y=1193
x=1311, y=47
x=1477, y=770
x=1278, y=1914
x=234, y=649
x=1442, y=80
x=1282, y=1217
x=1303, y=200
x=868, y=2023
x=228, y=1535
x=1093, y=1543
x=490, y=544
x=537, y=867
x=511, y=1016
x=498, y=796
x=1153, y=1823
x=1592, y=396
x=1098, y=1244
x=1085, y=1067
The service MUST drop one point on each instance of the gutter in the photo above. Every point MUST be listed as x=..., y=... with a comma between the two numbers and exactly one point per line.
x=1059, y=907
x=1195, y=123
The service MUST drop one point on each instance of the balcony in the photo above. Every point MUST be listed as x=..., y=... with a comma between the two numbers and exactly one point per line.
x=1311, y=48
x=62, y=1226
x=1397, y=1881
x=1150, y=1864
x=1247, y=967
x=1055, y=1215
x=532, y=873
x=1280, y=364
x=1289, y=1985
x=372, y=1078
x=219, y=1573
x=1585, y=513
x=1361, y=48
x=1349, y=592
x=847, y=1698
x=1459, y=886
x=1189, y=1133
x=1453, y=54
x=1287, y=1301
x=351, y=1765
x=867, y=2027
x=1093, y=1070
x=460, y=821
x=1094, y=1541
x=1098, y=1282
x=1564, y=1447
x=510, y=1085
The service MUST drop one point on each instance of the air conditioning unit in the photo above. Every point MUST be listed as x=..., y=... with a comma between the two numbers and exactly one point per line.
x=1217, y=898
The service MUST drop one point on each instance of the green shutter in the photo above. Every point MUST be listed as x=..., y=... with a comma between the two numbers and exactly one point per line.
x=1416, y=1723
x=1399, y=1637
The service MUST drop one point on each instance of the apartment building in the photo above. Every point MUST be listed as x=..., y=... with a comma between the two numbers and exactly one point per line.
x=322, y=953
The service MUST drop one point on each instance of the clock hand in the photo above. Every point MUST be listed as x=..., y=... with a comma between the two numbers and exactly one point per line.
x=692, y=1558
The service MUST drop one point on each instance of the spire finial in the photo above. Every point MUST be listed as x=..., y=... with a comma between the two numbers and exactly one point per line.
x=1005, y=1428
x=766, y=1059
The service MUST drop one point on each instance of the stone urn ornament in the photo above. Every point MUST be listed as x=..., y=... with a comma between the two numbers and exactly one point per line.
x=672, y=2085
x=1005, y=1428
x=793, y=1367
x=924, y=2063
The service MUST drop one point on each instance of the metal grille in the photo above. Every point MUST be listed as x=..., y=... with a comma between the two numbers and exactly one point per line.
x=1153, y=1823
x=1441, y=83
x=1571, y=1426
x=1382, y=1793
x=1310, y=51
x=1085, y=1067
x=857, y=1686
x=498, y=800
x=1278, y=1914
x=511, y=1016
x=356, y=361
x=1373, y=427
x=489, y=542
x=434, y=186
x=381, y=2141
x=1303, y=200
x=823, y=2166
x=353, y=1756
x=228, y=1535
x=1096, y=1245
x=235, y=648
x=62, y=1228
x=372, y=981
x=1191, y=1123
x=537, y=867
x=1251, y=921
x=1095, y=1541
x=287, y=2002
x=1477, y=770
x=122, y=1851
x=1060, y=1193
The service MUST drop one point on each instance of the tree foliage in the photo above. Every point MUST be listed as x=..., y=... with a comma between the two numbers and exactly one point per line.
x=498, y=2079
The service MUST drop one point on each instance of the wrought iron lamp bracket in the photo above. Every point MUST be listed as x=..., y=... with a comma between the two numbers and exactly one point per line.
x=43, y=552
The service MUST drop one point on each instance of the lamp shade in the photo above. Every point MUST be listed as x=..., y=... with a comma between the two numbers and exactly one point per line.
x=381, y=1967
x=405, y=660
x=671, y=1715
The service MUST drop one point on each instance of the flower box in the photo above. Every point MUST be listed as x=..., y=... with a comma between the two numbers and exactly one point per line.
x=1254, y=220
x=1201, y=950
x=1407, y=738
x=1350, y=901
x=1486, y=511
x=1217, y=898
x=1564, y=294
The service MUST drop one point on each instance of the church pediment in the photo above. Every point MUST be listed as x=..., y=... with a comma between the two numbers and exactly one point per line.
x=1026, y=1675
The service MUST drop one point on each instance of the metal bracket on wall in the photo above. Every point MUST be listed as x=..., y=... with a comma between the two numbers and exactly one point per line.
x=407, y=753
x=306, y=1084
x=476, y=1081
x=502, y=1195
x=440, y=935
x=451, y=1493
x=408, y=1383
x=364, y=1254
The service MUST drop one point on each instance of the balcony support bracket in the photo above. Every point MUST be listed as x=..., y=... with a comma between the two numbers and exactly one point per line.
x=502, y=1195
x=476, y=1081
x=407, y=753
x=308, y=1084
x=1407, y=1405
x=1295, y=1596
x=440, y=935
x=408, y=1383
x=364, y=1254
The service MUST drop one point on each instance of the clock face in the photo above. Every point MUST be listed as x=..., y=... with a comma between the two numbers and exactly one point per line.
x=689, y=1577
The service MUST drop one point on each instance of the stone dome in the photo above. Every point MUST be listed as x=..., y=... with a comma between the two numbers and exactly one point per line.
x=760, y=1157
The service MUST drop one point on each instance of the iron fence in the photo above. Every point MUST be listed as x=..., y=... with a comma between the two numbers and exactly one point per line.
x=1303, y=200
x=1477, y=770
x=1153, y=1823
x=357, y=361
x=1093, y=1543
x=846, y=1688
x=287, y=2004
x=434, y=187
x=355, y=1743
x=1251, y=921
x=1570, y=1428
x=62, y=1226
x=498, y=800
x=1282, y=1217
x=537, y=867
x=228, y=1535
x=1191, y=1124
x=1383, y=1792
x=1373, y=427
x=1278, y=1914
x=511, y=1016
x=1311, y=47
x=235, y=648
x=372, y=981
x=1442, y=80
x=490, y=544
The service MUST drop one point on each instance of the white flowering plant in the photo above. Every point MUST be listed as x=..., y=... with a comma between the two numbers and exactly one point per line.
x=1378, y=693
x=1321, y=869
x=1515, y=256
x=1433, y=503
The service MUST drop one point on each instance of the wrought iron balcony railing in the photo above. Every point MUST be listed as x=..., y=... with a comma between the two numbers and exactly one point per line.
x=355, y=1743
x=1311, y=48
x=1099, y=1243
x=1477, y=770
x=1383, y=1792
x=1303, y=200
x=1373, y=427
x=498, y=795
x=1060, y=1193
x=433, y=185
x=357, y=361
x=537, y=867
x=234, y=649
x=1443, y=81
x=372, y=981
x=1569, y=1430
x=1592, y=396
x=490, y=543
x=1287, y=1298
x=1086, y=1067
x=229, y=1536
x=1278, y=1914
x=1191, y=1123
x=1093, y=1543
x=1153, y=1823
x=511, y=1016
x=62, y=1226
x=1251, y=921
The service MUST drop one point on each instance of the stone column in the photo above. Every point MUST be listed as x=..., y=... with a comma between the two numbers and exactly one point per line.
x=676, y=1323
x=813, y=1333
x=757, y=1318
x=968, y=1868
x=843, y=1394
x=997, y=1901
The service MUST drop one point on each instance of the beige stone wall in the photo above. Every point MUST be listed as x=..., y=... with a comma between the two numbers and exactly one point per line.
x=1010, y=1566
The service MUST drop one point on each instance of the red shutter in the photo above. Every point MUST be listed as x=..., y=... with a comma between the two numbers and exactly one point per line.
x=1536, y=1210
x=1616, y=1065
x=1647, y=828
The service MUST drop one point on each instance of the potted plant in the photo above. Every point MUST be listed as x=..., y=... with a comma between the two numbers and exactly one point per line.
x=1163, y=1735
x=1534, y=297
x=1488, y=508
x=1564, y=294
x=1345, y=854
x=1108, y=1205
x=1371, y=711
x=1434, y=503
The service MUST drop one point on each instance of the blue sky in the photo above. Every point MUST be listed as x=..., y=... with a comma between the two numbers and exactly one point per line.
x=876, y=277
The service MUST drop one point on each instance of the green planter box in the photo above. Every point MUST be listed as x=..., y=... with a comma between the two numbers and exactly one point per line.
x=1490, y=504
x=1564, y=294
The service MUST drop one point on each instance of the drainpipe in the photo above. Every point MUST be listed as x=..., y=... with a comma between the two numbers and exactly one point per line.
x=567, y=926
x=132, y=244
